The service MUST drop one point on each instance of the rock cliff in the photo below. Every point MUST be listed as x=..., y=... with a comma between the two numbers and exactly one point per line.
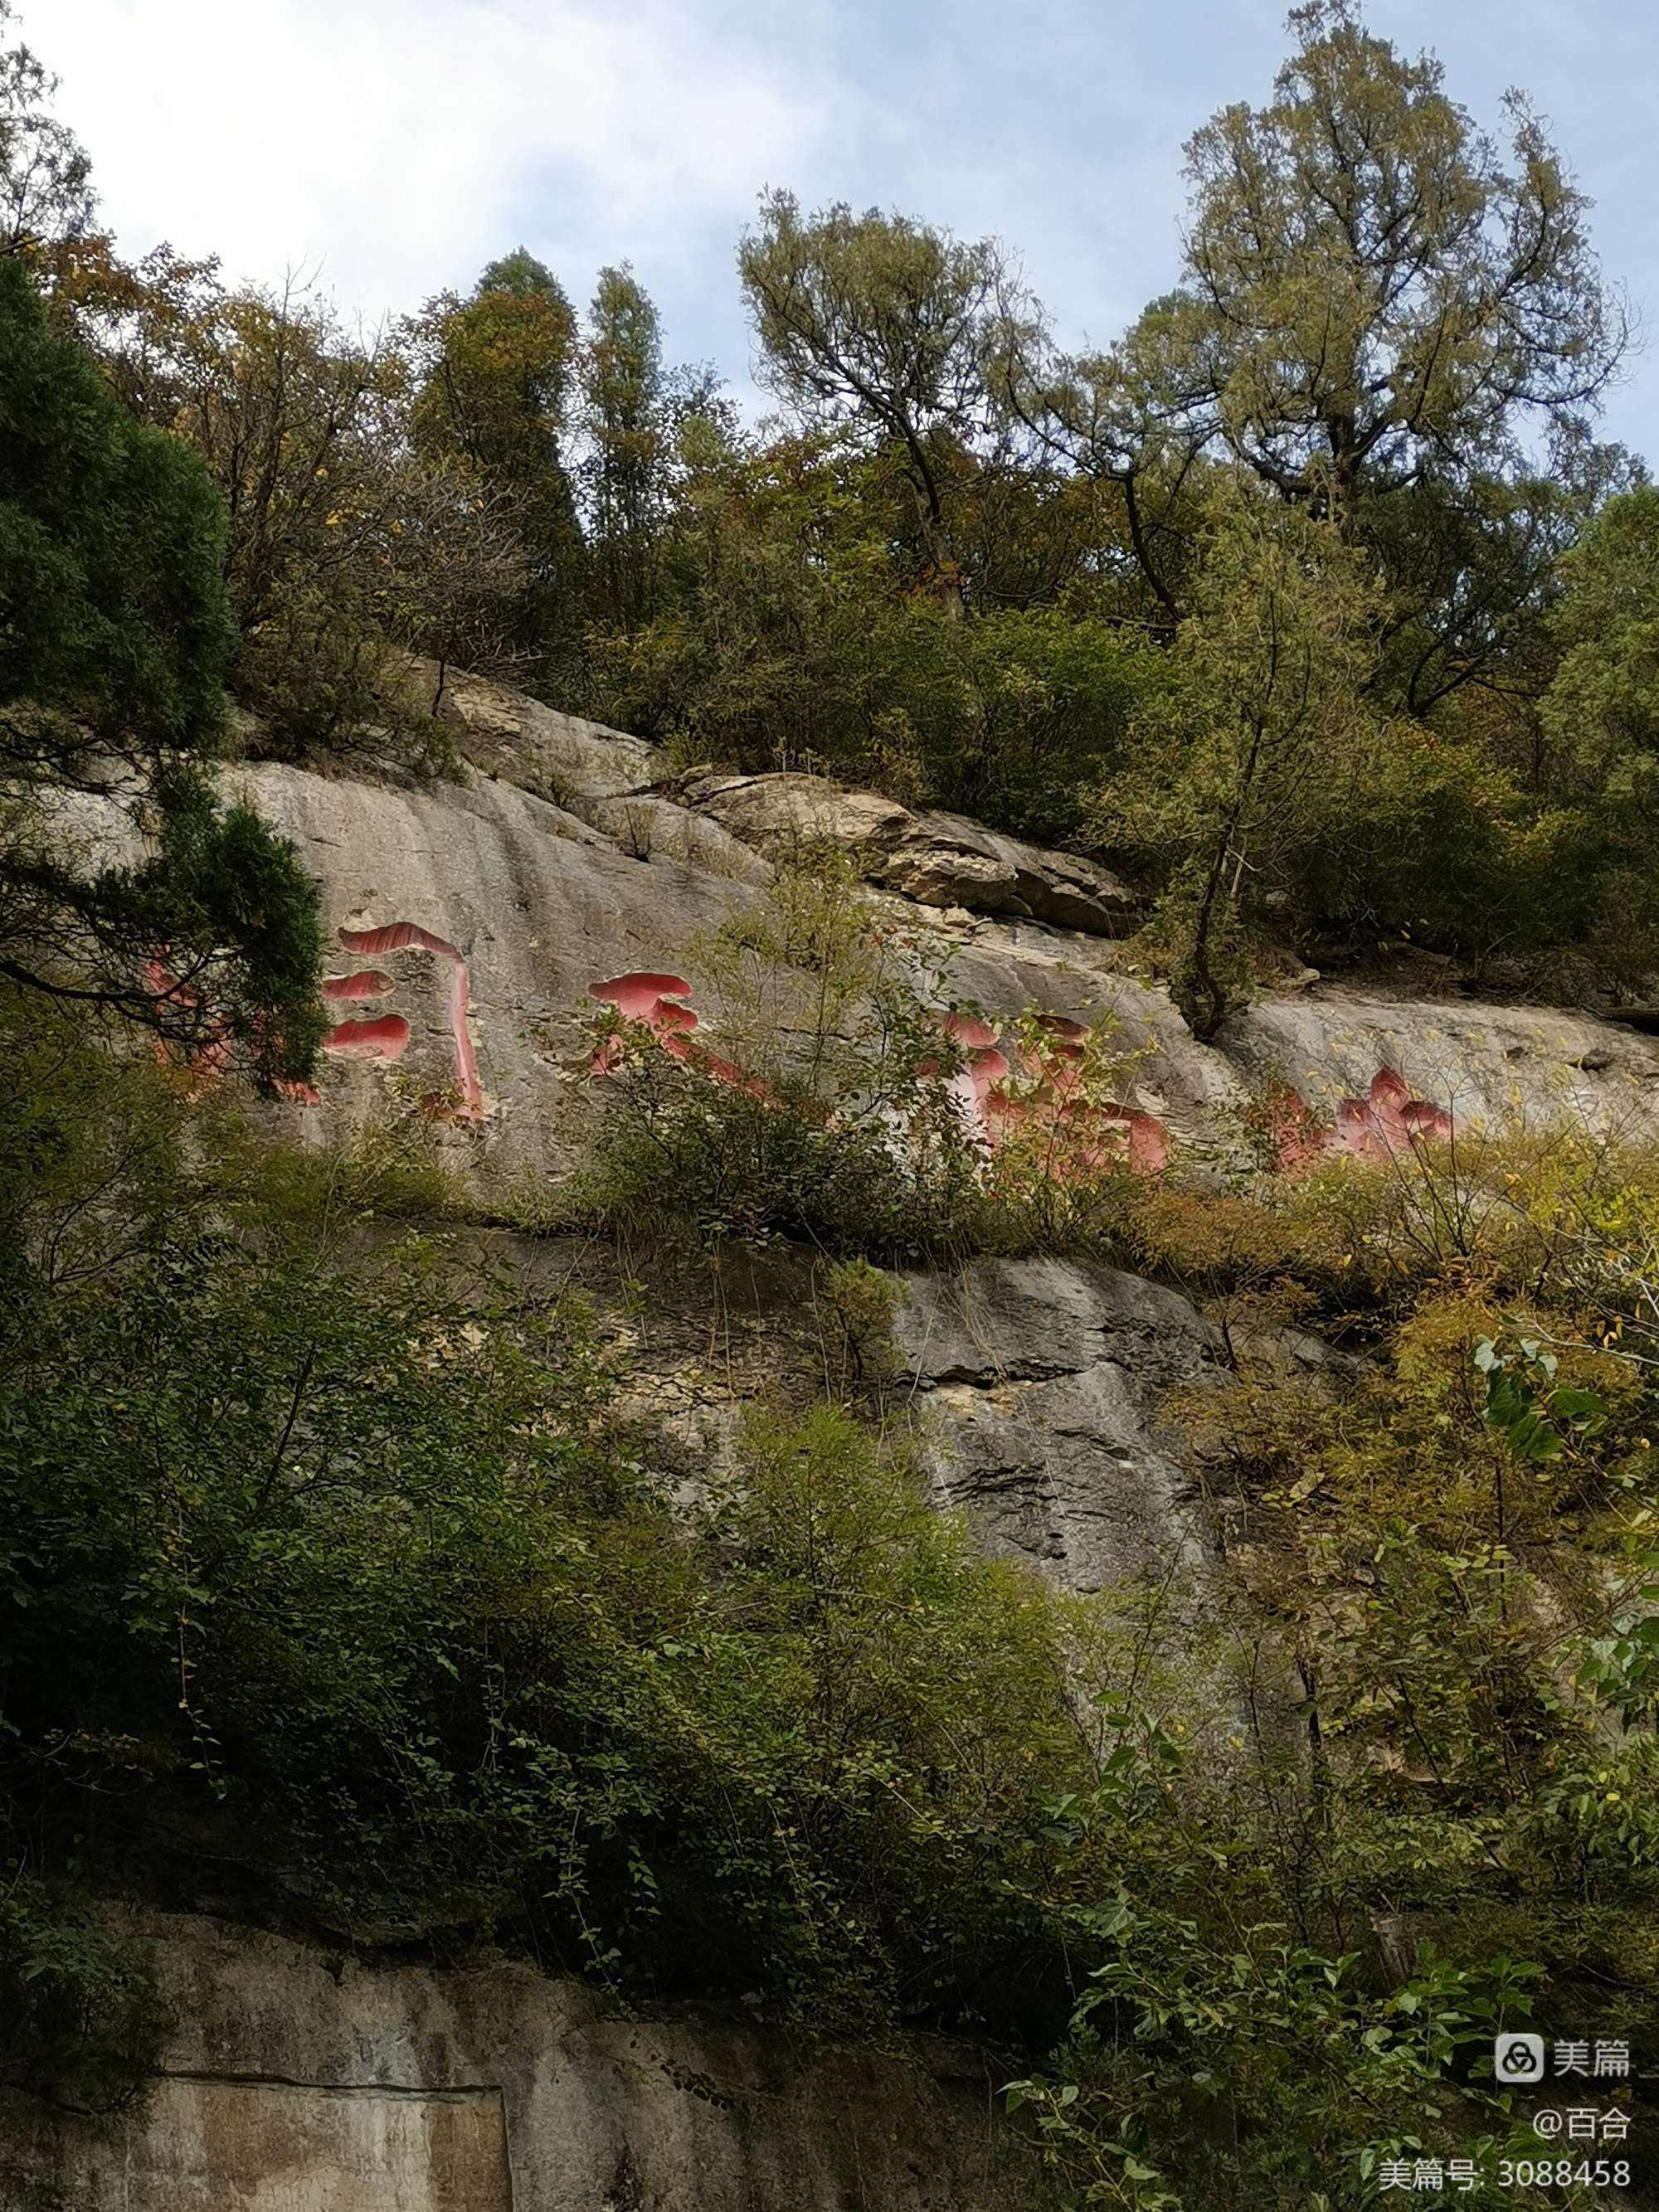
x=301, y=2083
x=298, y=2081
x=572, y=853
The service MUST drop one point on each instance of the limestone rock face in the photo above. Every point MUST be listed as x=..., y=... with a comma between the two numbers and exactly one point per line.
x=544, y=894
x=558, y=757
x=537, y=903
x=1037, y=1390
x=1041, y=1389
x=939, y=860
x=779, y=811
x=945, y=859
x=1489, y=1065
x=298, y=2081
x=648, y=827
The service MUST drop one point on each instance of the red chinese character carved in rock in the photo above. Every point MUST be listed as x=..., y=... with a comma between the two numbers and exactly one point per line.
x=386, y=1036
x=1385, y=1124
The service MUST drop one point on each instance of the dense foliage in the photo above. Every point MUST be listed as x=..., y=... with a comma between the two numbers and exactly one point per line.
x=331, y=1554
x=326, y=1543
x=329, y=1547
x=115, y=634
x=1454, y=1557
x=971, y=568
x=1392, y=1783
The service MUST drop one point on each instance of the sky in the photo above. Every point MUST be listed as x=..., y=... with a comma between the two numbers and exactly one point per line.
x=391, y=147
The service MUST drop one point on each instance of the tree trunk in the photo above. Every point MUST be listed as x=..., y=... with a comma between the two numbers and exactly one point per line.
x=1343, y=434
x=1207, y=999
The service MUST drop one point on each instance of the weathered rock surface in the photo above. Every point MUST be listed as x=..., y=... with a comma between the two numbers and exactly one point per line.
x=939, y=860
x=1492, y=1067
x=538, y=904
x=624, y=786
x=301, y=2081
x=541, y=903
x=558, y=757
x=1037, y=1388
x=648, y=827
x=1042, y=1397
x=1042, y=1388
x=544, y=895
x=946, y=860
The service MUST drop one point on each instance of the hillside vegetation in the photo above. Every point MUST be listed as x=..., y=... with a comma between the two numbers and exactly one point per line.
x=335, y=1560
x=1314, y=599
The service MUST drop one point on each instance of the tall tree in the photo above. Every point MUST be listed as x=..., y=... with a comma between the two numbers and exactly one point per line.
x=1232, y=761
x=888, y=326
x=626, y=419
x=495, y=378
x=300, y=422
x=1371, y=289
x=1375, y=299
x=1472, y=562
x=46, y=175
x=284, y=404
x=115, y=636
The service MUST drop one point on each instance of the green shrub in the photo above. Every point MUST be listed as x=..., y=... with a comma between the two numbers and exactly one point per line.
x=823, y=1106
x=84, y=2019
x=821, y=1112
x=311, y=1518
x=1432, y=842
x=863, y=1303
x=327, y=686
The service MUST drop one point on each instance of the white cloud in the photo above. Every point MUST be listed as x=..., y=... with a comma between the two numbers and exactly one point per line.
x=400, y=143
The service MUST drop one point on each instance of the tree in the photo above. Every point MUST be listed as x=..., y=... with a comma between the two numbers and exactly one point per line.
x=115, y=636
x=1262, y=716
x=1373, y=301
x=783, y=636
x=1602, y=708
x=1471, y=568
x=1088, y=415
x=1370, y=290
x=46, y=175
x=299, y=423
x=521, y=275
x=625, y=417
x=343, y=543
x=493, y=375
x=1600, y=723
x=449, y=575
x=282, y=406
x=885, y=326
